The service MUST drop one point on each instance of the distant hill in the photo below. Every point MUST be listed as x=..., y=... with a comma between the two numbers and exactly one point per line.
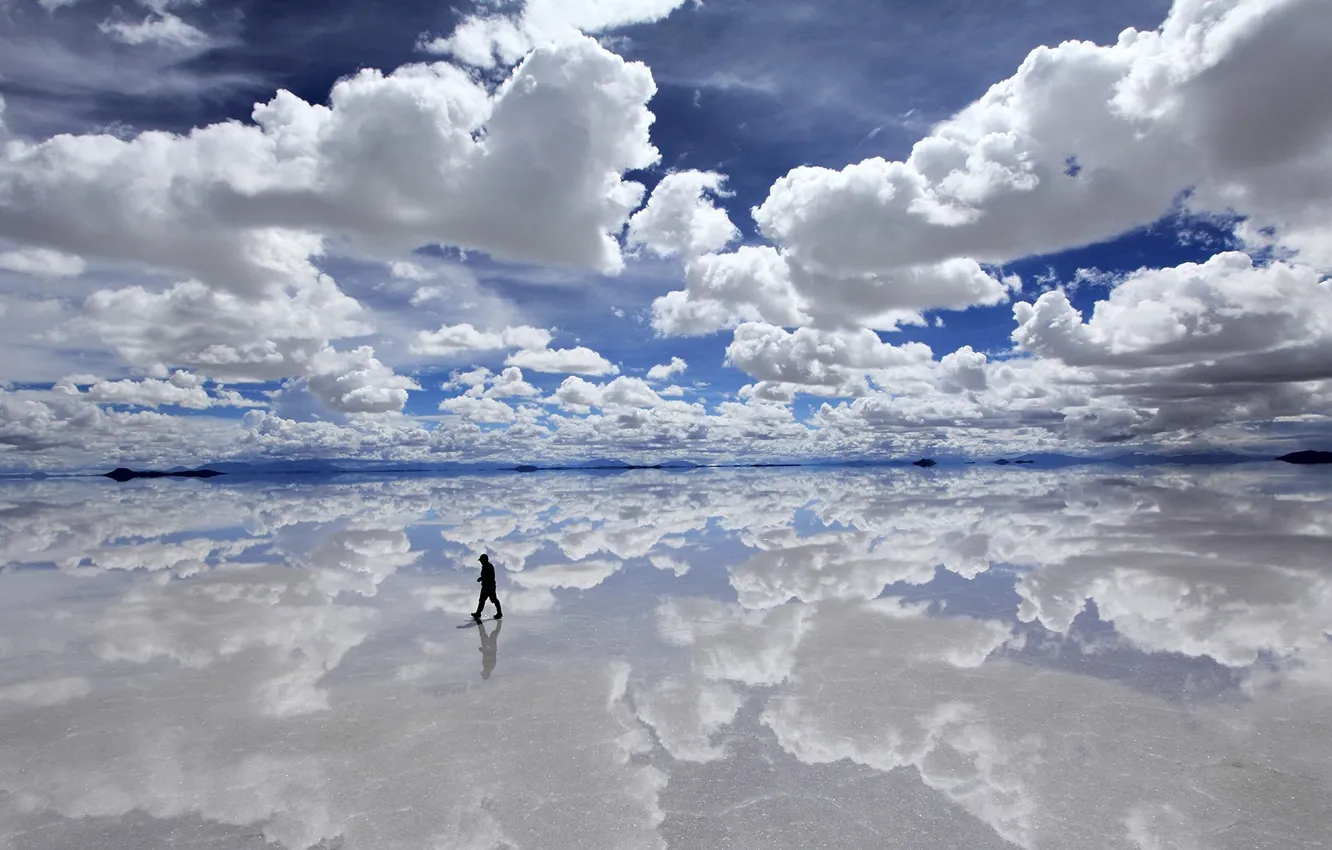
x=281, y=467
x=1308, y=456
x=121, y=473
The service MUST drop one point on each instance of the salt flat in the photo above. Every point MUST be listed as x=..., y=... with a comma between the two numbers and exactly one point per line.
x=796, y=658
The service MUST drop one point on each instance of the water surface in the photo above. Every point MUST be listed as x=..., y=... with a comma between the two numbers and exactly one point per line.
x=708, y=658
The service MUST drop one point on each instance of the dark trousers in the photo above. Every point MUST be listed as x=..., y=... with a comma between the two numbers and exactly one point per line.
x=488, y=593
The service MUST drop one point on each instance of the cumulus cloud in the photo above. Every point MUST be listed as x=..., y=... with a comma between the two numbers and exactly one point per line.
x=304, y=168
x=451, y=340
x=581, y=396
x=664, y=371
x=828, y=362
x=214, y=252
x=488, y=410
x=1144, y=119
x=1226, y=311
x=722, y=290
x=680, y=217
x=579, y=361
x=509, y=383
x=356, y=382
x=238, y=213
x=1192, y=346
x=182, y=389
x=1081, y=144
x=223, y=334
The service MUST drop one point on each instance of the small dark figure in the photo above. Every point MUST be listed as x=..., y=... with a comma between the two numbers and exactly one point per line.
x=487, y=580
x=489, y=648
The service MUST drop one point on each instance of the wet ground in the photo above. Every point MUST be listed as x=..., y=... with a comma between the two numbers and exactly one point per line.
x=801, y=658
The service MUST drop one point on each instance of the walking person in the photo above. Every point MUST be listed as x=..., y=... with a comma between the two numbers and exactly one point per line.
x=487, y=580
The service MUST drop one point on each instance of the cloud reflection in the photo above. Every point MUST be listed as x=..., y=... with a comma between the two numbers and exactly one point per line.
x=280, y=659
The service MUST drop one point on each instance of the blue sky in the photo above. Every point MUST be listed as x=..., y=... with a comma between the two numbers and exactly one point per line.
x=831, y=213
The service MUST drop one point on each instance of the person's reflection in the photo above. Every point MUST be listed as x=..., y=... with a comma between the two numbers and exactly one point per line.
x=489, y=648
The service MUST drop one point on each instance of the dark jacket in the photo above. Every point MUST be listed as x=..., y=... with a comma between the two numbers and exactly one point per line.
x=487, y=575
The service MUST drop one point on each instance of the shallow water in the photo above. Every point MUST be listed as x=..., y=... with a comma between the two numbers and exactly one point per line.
x=708, y=658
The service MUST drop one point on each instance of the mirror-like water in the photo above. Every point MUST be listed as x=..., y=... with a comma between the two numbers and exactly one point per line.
x=711, y=658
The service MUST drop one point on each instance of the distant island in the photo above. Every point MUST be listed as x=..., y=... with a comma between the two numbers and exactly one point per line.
x=120, y=473
x=925, y=462
x=1308, y=456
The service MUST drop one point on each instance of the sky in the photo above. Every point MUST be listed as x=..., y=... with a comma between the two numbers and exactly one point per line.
x=654, y=229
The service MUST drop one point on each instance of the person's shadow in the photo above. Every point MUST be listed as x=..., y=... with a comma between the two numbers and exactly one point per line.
x=489, y=647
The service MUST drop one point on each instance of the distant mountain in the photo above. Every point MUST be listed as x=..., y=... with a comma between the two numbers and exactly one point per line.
x=1308, y=456
x=276, y=467
x=121, y=473
x=612, y=464
x=595, y=463
x=1043, y=460
x=1194, y=459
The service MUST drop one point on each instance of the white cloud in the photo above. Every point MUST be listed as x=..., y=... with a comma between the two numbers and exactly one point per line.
x=467, y=378
x=830, y=362
x=1146, y=118
x=452, y=340
x=1083, y=143
x=214, y=252
x=488, y=410
x=42, y=262
x=162, y=29
x=302, y=168
x=409, y=271
x=753, y=284
x=680, y=217
x=581, y=396
x=222, y=334
x=1225, y=312
x=182, y=390
x=663, y=371
x=579, y=361
x=509, y=383
x=356, y=382
x=1192, y=346
x=480, y=40
x=237, y=213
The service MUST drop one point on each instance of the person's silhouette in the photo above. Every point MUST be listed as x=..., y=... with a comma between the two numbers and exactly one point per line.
x=487, y=580
x=489, y=649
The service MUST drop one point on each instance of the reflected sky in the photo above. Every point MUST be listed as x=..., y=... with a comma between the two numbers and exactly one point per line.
x=740, y=658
